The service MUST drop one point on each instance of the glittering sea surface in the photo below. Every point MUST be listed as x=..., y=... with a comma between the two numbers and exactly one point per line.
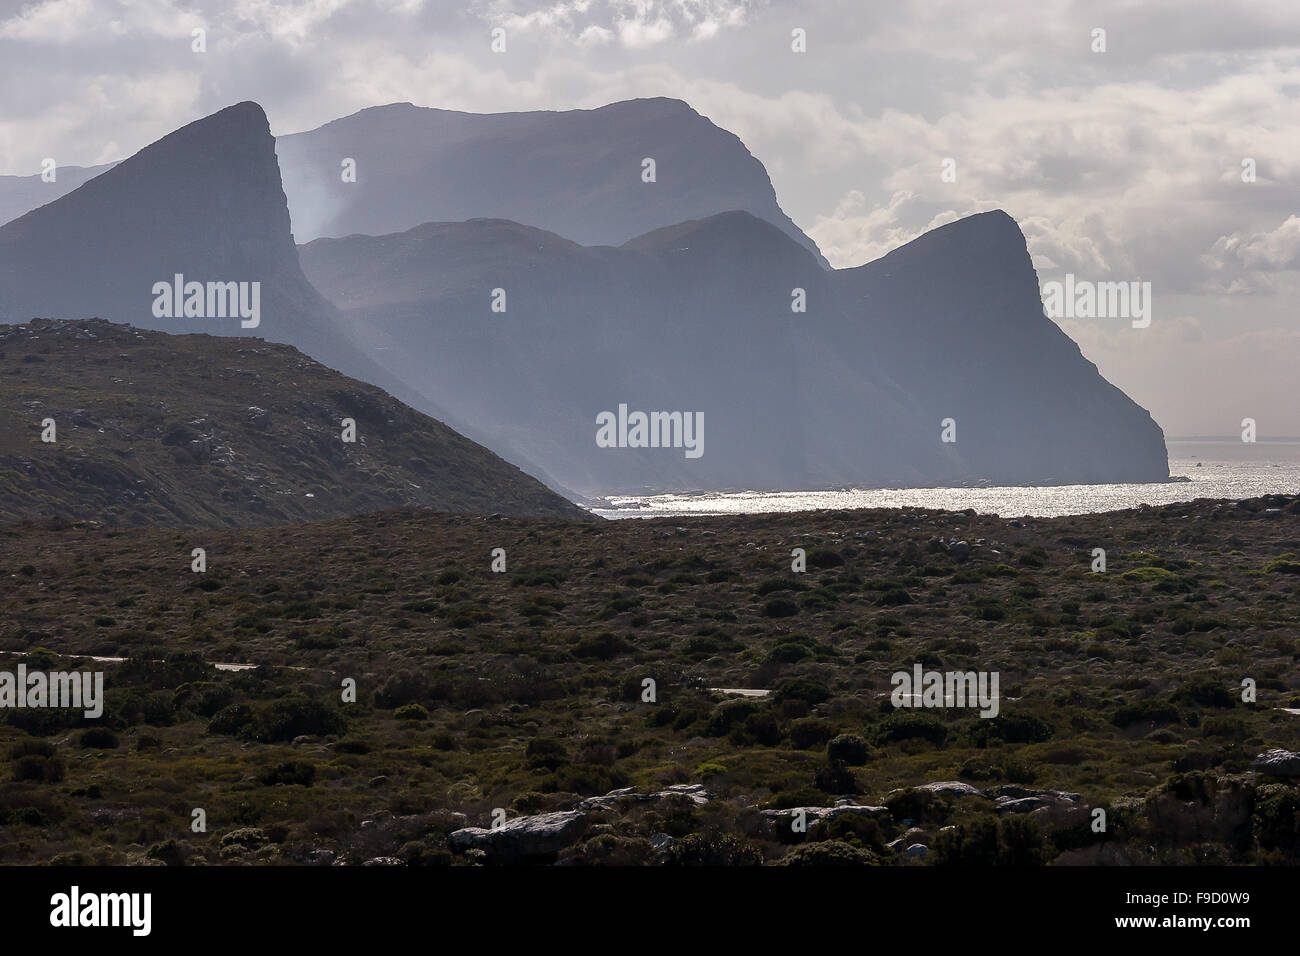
x=1217, y=469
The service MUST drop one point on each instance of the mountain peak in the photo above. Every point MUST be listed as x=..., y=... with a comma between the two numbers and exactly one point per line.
x=581, y=174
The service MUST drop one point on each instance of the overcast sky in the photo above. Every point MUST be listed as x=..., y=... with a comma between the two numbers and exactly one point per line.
x=1118, y=165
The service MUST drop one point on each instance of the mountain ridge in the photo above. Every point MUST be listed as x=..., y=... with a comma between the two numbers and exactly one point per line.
x=698, y=316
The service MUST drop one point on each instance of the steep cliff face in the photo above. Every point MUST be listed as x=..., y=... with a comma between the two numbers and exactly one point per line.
x=697, y=318
x=578, y=173
x=204, y=201
x=956, y=315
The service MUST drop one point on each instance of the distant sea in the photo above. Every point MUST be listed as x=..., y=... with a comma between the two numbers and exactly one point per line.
x=1217, y=468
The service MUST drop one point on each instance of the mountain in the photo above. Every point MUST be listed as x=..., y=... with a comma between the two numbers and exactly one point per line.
x=205, y=203
x=206, y=431
x=697, y=318
x=959, y=317
x=577, y=173
x=22, y=194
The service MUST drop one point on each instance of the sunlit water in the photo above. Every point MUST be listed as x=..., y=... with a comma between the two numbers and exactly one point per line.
x=1217, y=469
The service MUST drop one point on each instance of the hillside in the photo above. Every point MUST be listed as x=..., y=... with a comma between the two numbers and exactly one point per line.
x=201, y=431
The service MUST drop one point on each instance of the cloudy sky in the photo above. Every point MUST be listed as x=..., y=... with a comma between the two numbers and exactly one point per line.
x=1122, y=165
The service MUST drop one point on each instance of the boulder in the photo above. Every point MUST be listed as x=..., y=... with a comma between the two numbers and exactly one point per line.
x=954, y=788
x=1277, y=763
x=622, y=798
x=816, y=814
x=524, y=838
x=1020, y=804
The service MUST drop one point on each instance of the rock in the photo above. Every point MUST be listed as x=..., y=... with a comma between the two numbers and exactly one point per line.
x=616, y=799
x=1015, y=793
x=258, y=418
x=524, y=838
x=695, y=792
x=320, y=858
x=817, y=814
x=383, y=861
x=662, y=841
x=918, y=850
x=952, y=787
x=959, y=550
x=200, y=449
x=1020, y=805
x=1277, y=763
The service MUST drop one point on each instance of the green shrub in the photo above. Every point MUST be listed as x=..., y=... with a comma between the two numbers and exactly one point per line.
x=809, y=732
x=234, y=720
x=99, y=737
x=1150, y=711
x=829, y=853
x=788, y=653
x=1277, y=819
x=780, y=607
x=602, y=647
x=37, y=769
x=807, y=689
x=285, y=719
x=709, y=849
x=837, y=779
x=291, y=773
x=1014, y=728
x=911, y=725
x=848, y=749
x=728, y=714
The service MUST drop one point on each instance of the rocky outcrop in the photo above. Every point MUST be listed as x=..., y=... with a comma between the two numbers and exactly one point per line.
x=1277, y=763
x=523, y=839
x=622, y=799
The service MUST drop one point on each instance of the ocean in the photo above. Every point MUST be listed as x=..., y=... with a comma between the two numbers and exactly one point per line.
x=1217, y=468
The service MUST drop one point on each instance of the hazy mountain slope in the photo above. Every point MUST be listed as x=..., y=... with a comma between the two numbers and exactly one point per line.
x=202, y=431
x=696, y=317
x=204, y=202
x=22, y=194
x=576, y=173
